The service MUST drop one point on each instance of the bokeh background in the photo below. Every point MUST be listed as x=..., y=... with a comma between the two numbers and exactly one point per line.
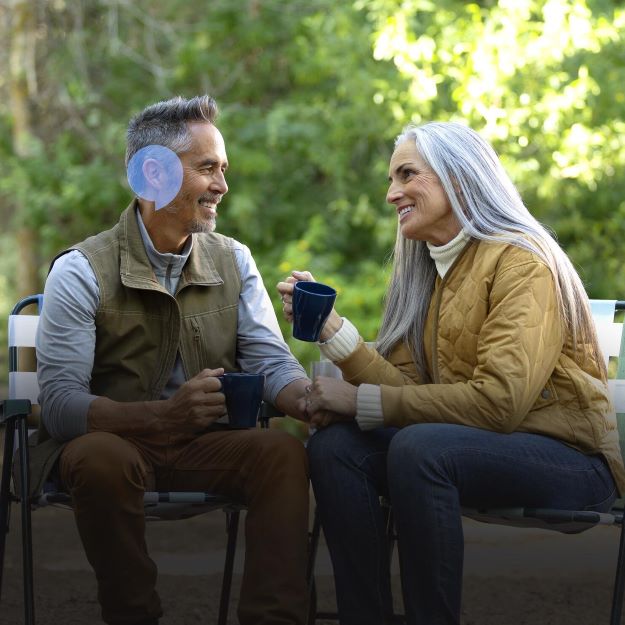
x=312, y=94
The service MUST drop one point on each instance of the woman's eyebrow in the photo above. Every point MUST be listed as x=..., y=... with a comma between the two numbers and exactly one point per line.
x=398, y=170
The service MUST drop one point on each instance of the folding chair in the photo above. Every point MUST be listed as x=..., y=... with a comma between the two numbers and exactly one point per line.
x=609, y=317
x=21, y=411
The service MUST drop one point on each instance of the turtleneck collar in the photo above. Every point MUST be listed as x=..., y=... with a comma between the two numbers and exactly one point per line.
x=444, y=255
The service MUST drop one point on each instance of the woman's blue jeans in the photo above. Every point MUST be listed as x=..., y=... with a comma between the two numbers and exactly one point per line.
x=429, y=471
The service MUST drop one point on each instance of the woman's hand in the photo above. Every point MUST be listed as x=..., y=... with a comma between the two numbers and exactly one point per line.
x=285, y=289
x=333, y=322
x=330, y=400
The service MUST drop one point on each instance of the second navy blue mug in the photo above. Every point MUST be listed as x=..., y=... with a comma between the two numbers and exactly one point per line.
x=244, y=396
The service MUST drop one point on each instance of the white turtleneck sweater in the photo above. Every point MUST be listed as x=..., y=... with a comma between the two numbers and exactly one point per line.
x=344, y=342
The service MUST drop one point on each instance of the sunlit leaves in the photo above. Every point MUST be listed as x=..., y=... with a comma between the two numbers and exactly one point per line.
x=313, y=93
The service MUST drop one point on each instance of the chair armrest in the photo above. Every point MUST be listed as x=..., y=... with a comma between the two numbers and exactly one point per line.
x=268, y=411
x=10, y=408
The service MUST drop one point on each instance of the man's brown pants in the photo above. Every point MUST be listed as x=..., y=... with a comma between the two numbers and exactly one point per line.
x=265, y=469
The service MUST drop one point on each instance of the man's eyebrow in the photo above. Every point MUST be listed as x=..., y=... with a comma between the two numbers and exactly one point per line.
x=210, y=162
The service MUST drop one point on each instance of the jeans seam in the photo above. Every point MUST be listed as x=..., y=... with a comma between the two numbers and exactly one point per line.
x=600, y=504
x=365, y=458
x=587, y=470
x=445, y=455
x=368, y=490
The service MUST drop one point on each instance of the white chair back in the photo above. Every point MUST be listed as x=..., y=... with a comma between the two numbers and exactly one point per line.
x=610, y=334
x=22, y=331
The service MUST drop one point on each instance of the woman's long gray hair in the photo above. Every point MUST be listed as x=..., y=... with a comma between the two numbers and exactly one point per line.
x=489, y=208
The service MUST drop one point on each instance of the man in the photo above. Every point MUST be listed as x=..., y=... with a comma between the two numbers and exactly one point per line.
x=138, y=322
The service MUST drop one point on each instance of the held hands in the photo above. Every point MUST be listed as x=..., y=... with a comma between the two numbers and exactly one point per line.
x=196, y=404
x=328, y=401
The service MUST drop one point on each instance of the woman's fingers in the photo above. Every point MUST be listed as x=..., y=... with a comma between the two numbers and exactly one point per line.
x=304, y=276
x=285, y=290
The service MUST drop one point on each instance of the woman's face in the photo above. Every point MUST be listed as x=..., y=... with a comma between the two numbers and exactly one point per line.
x=423, y=210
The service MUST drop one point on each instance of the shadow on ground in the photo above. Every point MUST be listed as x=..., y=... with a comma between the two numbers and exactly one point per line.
x=512, y=577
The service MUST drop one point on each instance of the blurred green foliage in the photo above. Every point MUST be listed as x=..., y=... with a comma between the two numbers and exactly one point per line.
x=312, y=94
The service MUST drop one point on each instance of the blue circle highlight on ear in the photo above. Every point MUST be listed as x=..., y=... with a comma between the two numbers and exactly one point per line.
x=155, y=174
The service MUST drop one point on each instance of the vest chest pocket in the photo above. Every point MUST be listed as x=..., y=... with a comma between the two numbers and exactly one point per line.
x=209, y=341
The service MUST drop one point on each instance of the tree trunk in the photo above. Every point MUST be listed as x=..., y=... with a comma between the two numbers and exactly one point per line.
x=22, y=87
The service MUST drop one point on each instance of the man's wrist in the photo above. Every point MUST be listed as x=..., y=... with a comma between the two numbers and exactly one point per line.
x=156, y=412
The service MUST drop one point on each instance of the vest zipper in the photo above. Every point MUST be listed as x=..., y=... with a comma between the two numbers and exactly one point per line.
x=196, y=340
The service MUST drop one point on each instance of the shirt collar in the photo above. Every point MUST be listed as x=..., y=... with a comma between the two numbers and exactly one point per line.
x=162, y=261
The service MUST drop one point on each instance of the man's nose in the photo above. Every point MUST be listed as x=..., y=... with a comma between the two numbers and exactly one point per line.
x=219, y=184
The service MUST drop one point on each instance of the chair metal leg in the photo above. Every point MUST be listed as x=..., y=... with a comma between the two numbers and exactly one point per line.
x=390, y=532
x=312, y=604
x=27, y=540
x=619, y=580
x=310, y=571
x=391, y=536
x=232, y=528
x=5, y=490
x=312, y=550
x=315, y=615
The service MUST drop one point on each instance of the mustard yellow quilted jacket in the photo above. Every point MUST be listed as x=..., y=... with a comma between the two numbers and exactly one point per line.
x=498, y=359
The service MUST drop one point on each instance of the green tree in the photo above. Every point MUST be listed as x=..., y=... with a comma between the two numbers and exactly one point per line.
x=312, y=95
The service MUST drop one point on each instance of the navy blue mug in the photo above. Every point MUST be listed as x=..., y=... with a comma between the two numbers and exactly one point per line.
x=244, y=396
x=312, y=303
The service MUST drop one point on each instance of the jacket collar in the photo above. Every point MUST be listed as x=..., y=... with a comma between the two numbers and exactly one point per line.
x=136, y=270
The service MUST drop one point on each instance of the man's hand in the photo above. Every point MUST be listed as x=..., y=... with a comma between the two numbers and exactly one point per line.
x=195, y=405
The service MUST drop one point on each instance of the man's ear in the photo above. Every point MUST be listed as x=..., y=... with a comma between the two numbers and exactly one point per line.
x=153, y=173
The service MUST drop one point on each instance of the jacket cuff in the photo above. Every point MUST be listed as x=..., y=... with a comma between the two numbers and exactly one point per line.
x=342, y=344
x=369, y=407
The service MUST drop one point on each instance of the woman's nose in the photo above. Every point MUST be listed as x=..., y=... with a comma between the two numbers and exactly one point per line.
x=393, y=194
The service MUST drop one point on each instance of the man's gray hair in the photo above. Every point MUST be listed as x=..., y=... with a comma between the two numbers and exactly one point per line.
x=165, y=123
x=489, y=208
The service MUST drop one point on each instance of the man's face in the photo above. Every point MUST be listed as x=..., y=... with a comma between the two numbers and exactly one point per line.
x=203, y=183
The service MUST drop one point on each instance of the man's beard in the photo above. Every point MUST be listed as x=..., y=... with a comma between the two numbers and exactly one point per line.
x=202, y=225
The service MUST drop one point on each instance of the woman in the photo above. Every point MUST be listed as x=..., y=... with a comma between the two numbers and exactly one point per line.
x=486, y=387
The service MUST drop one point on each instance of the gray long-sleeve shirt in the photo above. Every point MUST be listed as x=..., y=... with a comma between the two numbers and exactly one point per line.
x=65, y=340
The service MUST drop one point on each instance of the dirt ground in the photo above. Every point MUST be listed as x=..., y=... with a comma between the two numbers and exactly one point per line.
x=512, y=576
